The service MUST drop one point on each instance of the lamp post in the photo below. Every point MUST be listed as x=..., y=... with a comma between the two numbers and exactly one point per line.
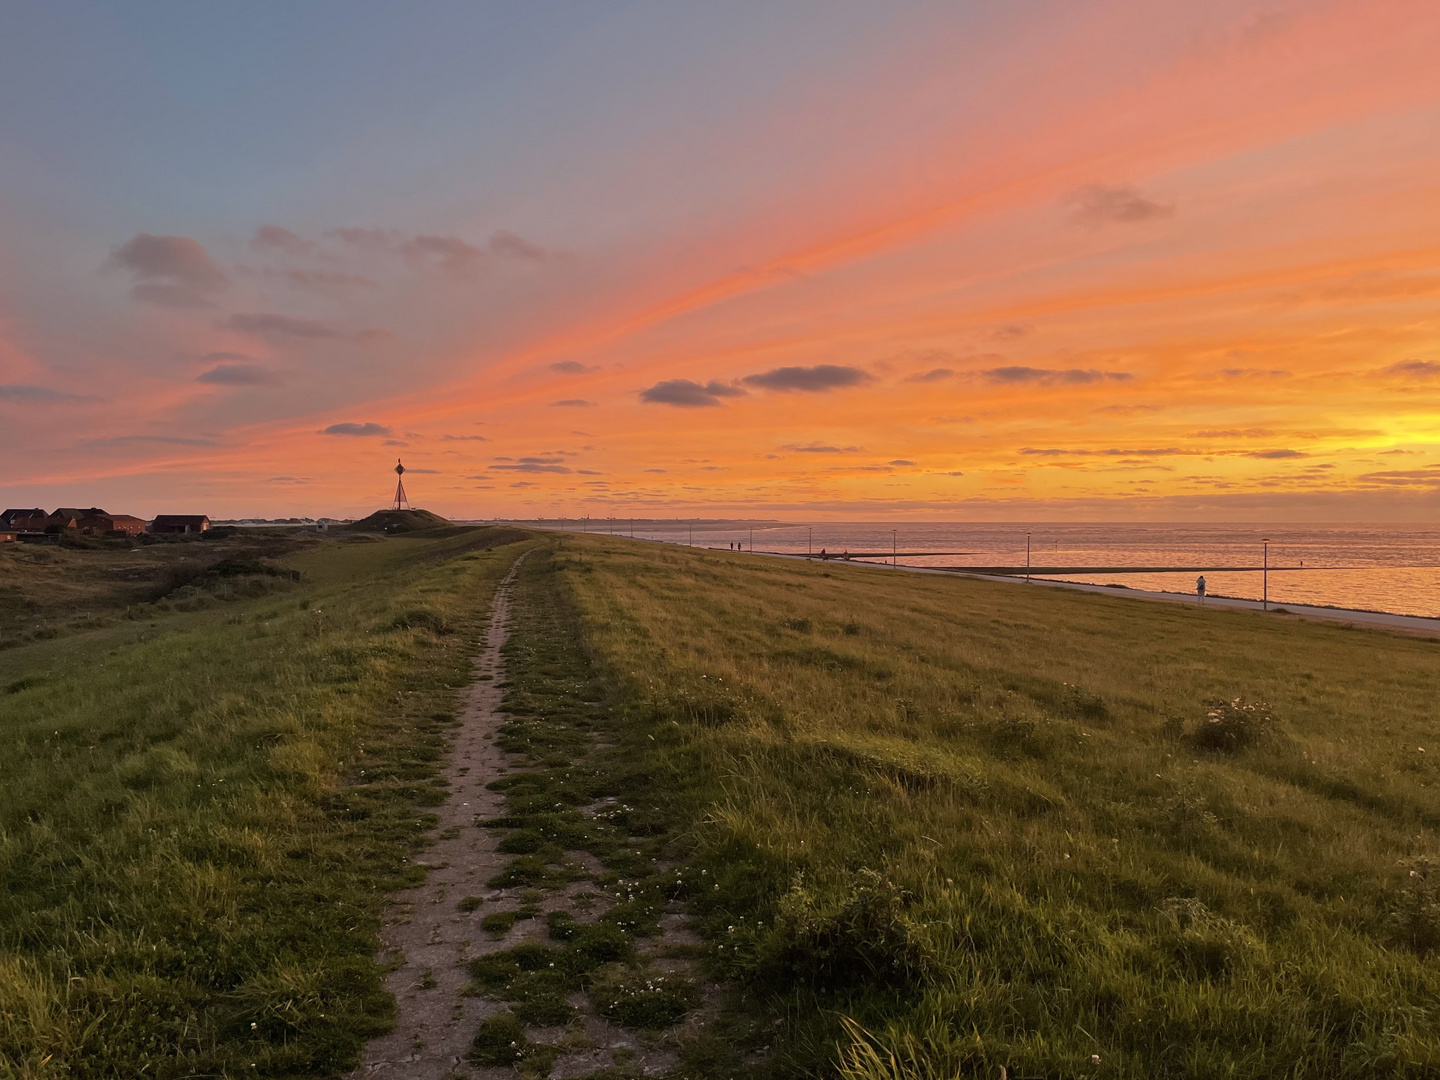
x=752, y=539
x=894, y=551
x=1265, y=574
x=809, y=540
x=1027, y=556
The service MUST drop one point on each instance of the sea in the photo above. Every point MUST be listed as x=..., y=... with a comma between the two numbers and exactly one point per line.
x=1390, y=568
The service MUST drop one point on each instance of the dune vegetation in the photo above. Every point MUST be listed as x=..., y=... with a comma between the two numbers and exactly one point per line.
x=958, y=825
x=205, y=804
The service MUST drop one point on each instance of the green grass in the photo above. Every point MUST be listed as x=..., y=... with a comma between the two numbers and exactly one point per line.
x=941, y=826
x=202, y=814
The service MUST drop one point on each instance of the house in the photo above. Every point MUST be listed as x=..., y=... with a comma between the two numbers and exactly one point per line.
x=61, y=520
x=127, y=524
x=104, y=524
x=7, y=519
x=179, y=523
x=8, y=536
x=35, y=523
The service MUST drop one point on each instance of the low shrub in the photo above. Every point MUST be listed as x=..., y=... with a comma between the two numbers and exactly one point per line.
x=1231, y=726
x=868, y=938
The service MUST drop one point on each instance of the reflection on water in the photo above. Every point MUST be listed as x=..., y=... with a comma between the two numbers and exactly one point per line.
x=1376, y=567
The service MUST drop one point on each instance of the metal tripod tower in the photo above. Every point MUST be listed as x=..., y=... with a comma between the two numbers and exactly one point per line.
x=401, y=502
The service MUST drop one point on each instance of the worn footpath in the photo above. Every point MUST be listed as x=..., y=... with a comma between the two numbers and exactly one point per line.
x=474, y=950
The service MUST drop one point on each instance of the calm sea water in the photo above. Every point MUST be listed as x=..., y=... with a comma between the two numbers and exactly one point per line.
x=1393, y=568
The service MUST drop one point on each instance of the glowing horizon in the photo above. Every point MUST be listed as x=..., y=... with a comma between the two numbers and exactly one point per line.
x=1036, y=260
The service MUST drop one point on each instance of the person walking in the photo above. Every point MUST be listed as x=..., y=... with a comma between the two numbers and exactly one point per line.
x=1200, y=587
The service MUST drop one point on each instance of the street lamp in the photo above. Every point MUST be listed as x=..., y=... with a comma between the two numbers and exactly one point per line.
x=1027, y=556
x=894, y=549
x=1265, y=575
x=809, y=540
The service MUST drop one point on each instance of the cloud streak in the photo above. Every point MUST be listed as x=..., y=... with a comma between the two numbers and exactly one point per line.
x=171, y=271
x=351, y=428
x=811, y=380
x=1053, y=376
x=1098, y=205
x=685, y=394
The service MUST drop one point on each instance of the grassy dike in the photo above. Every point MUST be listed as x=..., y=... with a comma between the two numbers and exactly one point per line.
x=944, y=826
x=201, y=814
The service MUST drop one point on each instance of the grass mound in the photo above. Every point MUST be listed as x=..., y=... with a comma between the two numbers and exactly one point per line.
x=397, y=522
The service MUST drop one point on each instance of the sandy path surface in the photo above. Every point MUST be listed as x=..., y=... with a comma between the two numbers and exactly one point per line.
x=428, y=936
x=431, y=939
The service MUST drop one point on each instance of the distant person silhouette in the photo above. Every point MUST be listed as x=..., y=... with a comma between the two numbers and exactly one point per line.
x=823, y=555
x=1200, y=587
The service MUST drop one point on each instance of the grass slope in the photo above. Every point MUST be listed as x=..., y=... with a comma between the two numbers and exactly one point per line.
x=955, y=825
x=201, y=815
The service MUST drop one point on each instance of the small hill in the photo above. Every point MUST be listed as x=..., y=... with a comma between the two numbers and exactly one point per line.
x=394, y=522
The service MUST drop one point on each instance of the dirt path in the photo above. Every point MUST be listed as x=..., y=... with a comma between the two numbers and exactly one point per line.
x=435, y=929
x=429, y=937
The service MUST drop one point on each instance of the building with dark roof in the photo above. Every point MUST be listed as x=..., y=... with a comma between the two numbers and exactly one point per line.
x=7, y=519
x=179, y=523
x=101, y=524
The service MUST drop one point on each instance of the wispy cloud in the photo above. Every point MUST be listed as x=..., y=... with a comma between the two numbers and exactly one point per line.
x=350, y=428
x=172, y=271
x=1096, y=205
x=237, y=375
x=822, y=448
x=684, y=394
x=573, y=367
x=574, y=403
x=450, y=254
x=1414, y=369
x=817, y=379
x=278, y=238
x=1053, y=376
x=939, y=374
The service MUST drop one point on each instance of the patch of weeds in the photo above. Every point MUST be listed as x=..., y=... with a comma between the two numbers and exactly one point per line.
x=799, y=625
x=1414, y=916
x=1232, y=726
x=498, y=922
x=421, y=619
x=501, y=1040
x=863, y=937
x=523, y=842
x=639, y=998
x=470, y=903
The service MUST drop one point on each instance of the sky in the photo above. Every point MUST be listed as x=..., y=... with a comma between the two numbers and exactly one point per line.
x=971, y=259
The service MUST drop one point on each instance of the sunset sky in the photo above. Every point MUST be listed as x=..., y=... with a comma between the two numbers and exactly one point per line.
x=1023, y=259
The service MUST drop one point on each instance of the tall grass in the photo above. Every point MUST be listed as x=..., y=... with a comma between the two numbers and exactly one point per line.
x=957, y=825
x=201, y=816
